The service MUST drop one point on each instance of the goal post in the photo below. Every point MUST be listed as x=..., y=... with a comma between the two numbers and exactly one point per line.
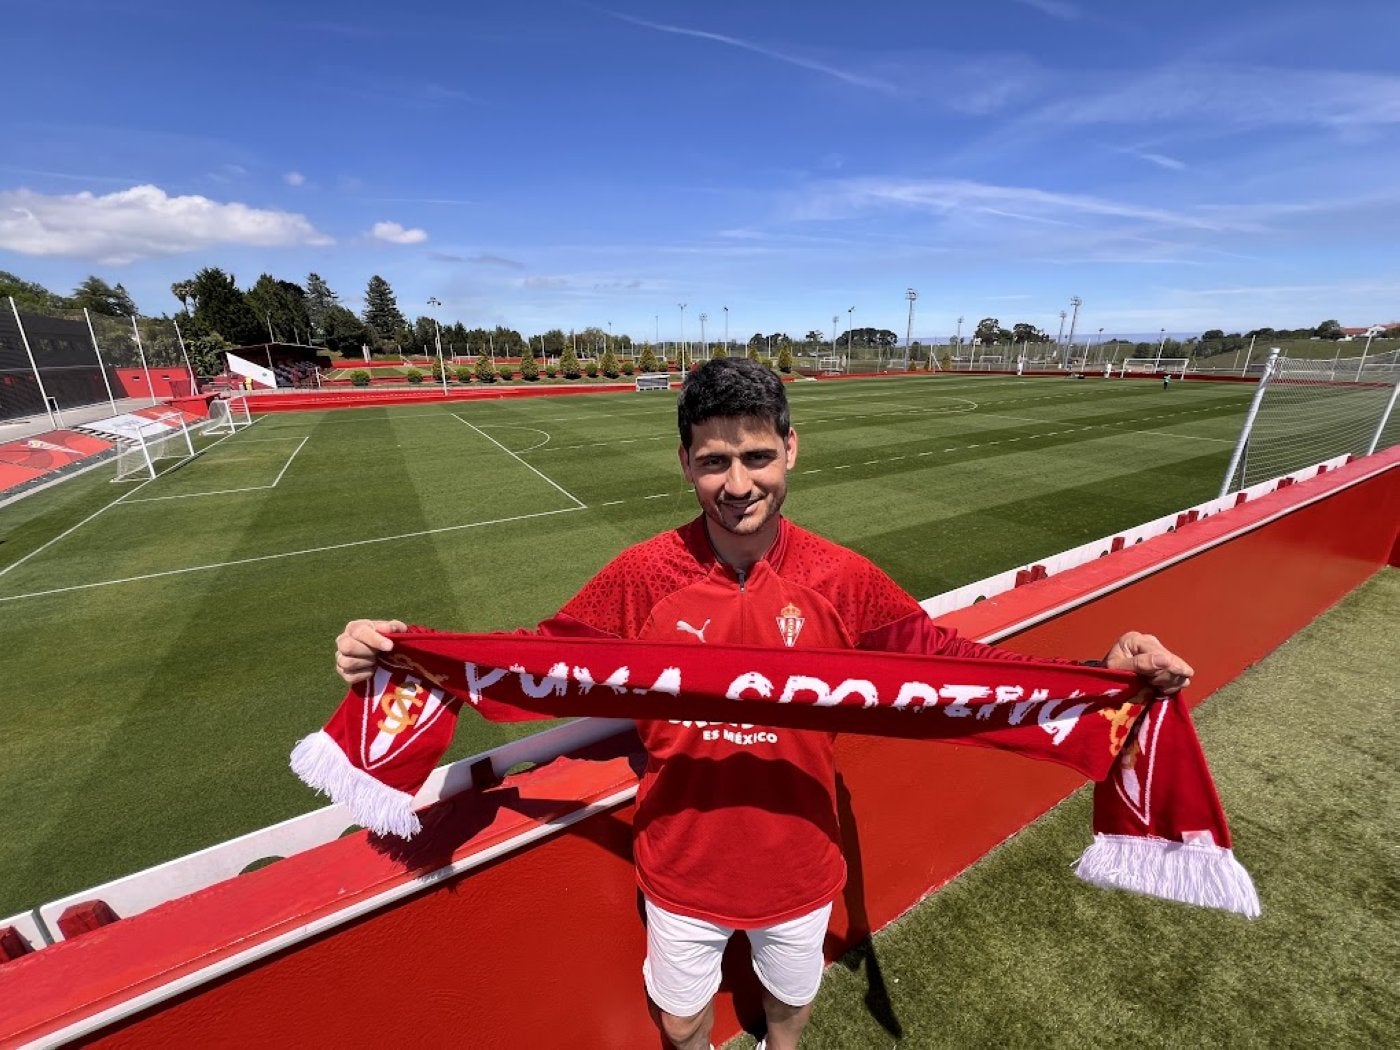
x=227, y=416
x=653, y=381
x=830, y=365
x=166, y=436
x=1172, y=366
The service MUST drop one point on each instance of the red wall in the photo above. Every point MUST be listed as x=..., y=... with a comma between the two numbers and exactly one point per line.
x=165, y=382
x=543, y=948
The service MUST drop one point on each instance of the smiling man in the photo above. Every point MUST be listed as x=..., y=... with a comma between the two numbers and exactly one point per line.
x=736, y=825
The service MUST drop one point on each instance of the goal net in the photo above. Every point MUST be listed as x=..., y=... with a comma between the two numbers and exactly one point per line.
x=227, y=415
x=830, y=366
x=166, y=436
x=653, y=381
x=1307, y=411
x=1171, y=366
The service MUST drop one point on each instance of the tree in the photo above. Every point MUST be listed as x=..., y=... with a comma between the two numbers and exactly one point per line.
x=529, y=367
x=648, y=362
x=785, y=359
x=27, y=293
x=568, y=364
x=99, y=297
x=718, y=352
x=814, y=338
x=1022, y=332
x=608, y=364
x=220, y=308
x=485, y=369
x=1331, y=329
x=184, y=291
x=343, y=332
x=319, y=300
x=754, y=351
x=382, y=315
x=282, y=307
x=989, y=332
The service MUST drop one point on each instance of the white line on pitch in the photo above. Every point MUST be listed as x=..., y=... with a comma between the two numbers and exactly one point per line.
x=288, y=554
x=517, y=459
x=74, y=528
x=228, y=492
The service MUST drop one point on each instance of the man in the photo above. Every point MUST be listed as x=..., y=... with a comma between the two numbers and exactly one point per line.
x=736, y=826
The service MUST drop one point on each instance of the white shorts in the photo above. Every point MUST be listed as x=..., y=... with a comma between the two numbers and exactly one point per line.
x=683, y=959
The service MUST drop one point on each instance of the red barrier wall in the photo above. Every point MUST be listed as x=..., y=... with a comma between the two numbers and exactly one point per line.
x=165, y=382
x=542, y=948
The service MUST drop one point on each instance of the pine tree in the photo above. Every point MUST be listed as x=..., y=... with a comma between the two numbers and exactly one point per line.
x=718, y=352
x=785, y=358
x=485, y=369
x=319, y=300
x=382, y=313
x=529, y=367
x=608, y=364
x=221, y=308
x=647, y=362
x=568, y=364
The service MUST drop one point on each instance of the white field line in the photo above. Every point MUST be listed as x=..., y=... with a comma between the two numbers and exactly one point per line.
x=288, y=554
x=1116, y=426
x=514, y=456
x=74, y=528
x=517, y=426
x=227, y=492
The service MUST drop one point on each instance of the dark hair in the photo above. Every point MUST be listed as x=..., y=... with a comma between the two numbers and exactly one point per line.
x=728, y=387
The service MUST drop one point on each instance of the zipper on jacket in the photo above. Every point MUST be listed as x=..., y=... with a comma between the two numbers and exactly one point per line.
x=743, y=577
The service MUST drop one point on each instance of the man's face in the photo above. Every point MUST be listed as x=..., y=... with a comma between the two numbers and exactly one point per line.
x=738, y=466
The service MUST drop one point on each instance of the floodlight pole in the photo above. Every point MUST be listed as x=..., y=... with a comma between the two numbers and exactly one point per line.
x=911, y=295
x=1075, y=302
x=726, y=331
x=434, y=301
x=1249, y=418
x=704, y=349
x=103, y=368
x=850, y=334
x=680, y=350
x=1161, y=343
x=146, y=368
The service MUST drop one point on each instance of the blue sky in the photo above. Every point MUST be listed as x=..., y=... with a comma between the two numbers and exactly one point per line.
x=1185, y=165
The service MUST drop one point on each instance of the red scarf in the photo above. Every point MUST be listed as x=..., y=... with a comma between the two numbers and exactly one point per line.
x=1159, y=827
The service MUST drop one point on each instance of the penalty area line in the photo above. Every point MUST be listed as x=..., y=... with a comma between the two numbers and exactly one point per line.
x=289, y=554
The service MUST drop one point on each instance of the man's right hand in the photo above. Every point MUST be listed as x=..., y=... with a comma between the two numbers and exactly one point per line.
x=359, y=646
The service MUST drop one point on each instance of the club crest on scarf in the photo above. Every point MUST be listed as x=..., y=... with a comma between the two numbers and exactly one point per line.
x=1132, y=773
x=395, y=711
x=790, y=621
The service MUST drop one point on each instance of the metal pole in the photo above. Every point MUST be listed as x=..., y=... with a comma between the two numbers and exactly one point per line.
x=43, y=394
x=850, y=334
x=1241, y=444
x=680, y=350
x=100, y=366
x=1385, y=418
x=194, y=381
x=1075, y=302
x=911, y=295
x=1157, y=362
x=1364, y=352
x=146, y=368
x=270, y=337
x=726, y=331
x=1245, y=369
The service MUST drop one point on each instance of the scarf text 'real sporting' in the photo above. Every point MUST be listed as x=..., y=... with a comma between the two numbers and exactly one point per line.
x=1158, y=824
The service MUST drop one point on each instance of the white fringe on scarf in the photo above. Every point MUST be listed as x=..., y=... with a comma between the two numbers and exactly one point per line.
x=1193, y=873
x=320, y=763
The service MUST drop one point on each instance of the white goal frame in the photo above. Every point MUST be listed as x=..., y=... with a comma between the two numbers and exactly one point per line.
x=653, y=381
x=227, y=416
x=831, y=366
x=167, y=437
x=1174, y=366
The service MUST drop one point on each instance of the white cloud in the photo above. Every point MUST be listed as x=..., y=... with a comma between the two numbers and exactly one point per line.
x=545, y=282
x=141, y=222
x=393, y=233
x=294, y=178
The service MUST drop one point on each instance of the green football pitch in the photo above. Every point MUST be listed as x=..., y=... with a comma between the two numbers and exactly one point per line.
x=173, y=638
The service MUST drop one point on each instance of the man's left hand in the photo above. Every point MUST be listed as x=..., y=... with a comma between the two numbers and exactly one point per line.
x=1148, y=658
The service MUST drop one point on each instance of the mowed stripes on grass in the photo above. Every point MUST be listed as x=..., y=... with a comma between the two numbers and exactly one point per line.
x=177, y=634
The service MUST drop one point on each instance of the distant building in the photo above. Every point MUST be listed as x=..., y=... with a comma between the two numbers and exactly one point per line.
x=1375, y=331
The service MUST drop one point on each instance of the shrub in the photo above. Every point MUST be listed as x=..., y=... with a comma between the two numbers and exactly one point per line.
x=529, y=368
x=552, y=372
x=485, y=369
x=413, y=376
x=628, y=368
x=568, y=364
x=647, y=362
x=785, y=360
x=608, y=365
x=503, y=373
x=359, y=377
x=592, y=369
x=464, y=374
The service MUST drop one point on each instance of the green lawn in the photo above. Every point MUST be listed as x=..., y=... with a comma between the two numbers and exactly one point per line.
x=1016, y=952
x=174, y=644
